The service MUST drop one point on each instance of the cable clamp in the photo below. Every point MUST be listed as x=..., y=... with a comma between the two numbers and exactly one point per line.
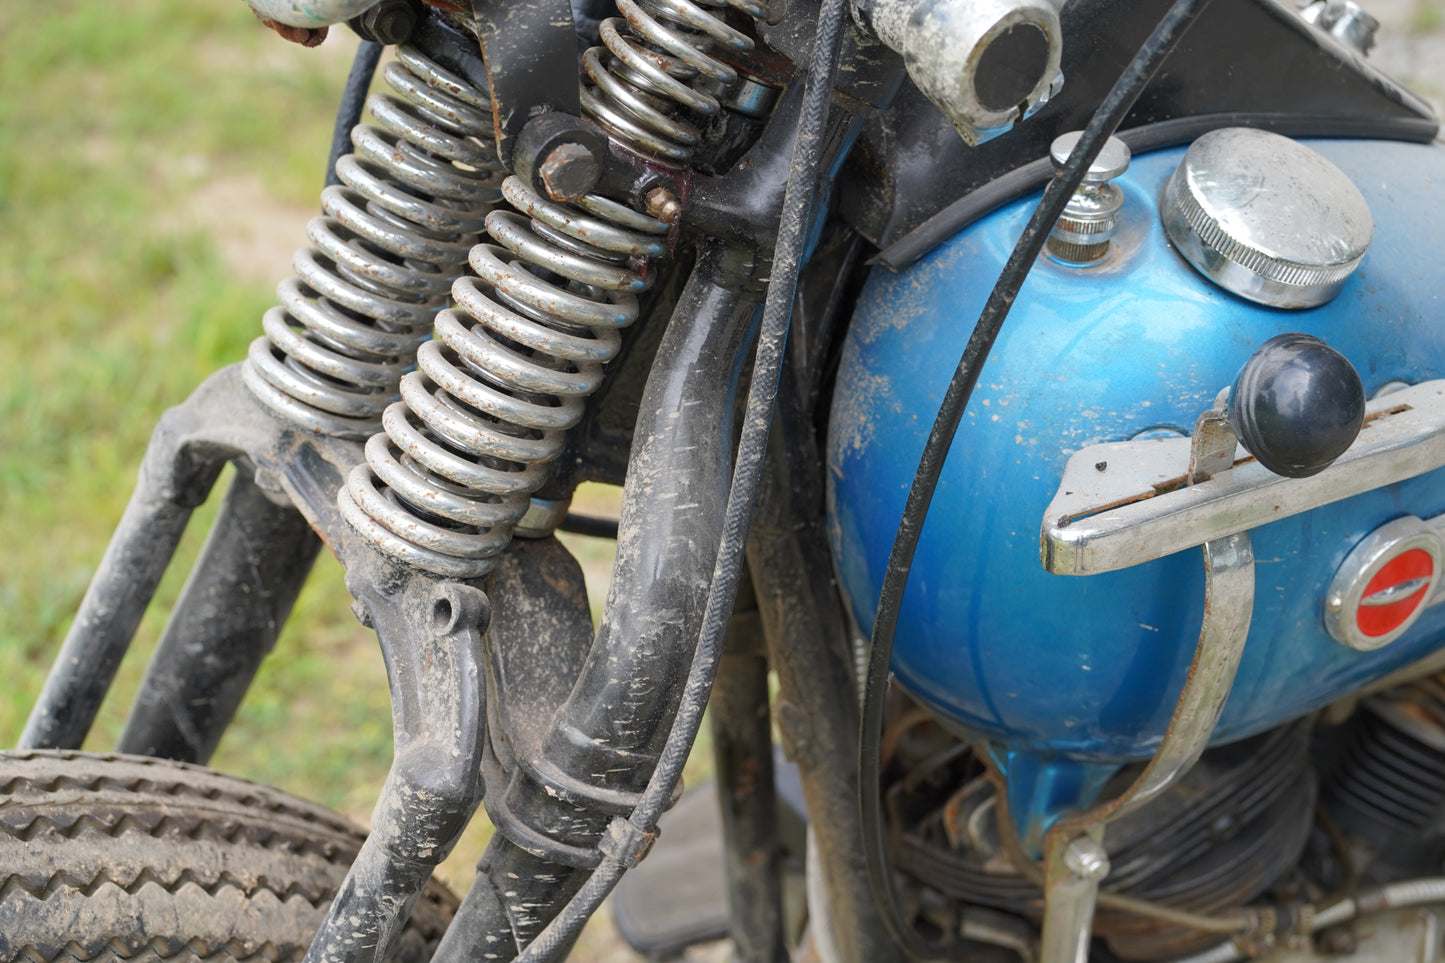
x=625, y=843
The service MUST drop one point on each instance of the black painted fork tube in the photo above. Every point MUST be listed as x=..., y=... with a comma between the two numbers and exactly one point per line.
x=817, y=701
x=742, y=741
x=238, y=596
x=604, y=741
x=171, y=484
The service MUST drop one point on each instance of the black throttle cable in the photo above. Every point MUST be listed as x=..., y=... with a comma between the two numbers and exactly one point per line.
x=1101, y=126
x=743, y=492
x=353, y=99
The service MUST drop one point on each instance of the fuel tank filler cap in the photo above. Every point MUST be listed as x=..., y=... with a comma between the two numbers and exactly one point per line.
x=1266, y=217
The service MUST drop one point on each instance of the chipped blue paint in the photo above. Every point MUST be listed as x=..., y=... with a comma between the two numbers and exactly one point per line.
x=1090, y=667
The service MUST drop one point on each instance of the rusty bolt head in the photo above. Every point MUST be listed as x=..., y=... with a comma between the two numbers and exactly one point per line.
x=664, y=205
x=569, y=171
x=389, y=22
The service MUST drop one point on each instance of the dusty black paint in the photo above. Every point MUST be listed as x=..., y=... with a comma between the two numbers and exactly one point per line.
x=240, y=592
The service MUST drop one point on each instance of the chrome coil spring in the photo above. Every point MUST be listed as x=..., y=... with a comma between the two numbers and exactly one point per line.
x=394, y=234
x=506, y=375
x=653, y=59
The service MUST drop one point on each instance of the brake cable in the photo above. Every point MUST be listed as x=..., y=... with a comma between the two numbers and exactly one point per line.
x=742, y=493
x=1101, y=126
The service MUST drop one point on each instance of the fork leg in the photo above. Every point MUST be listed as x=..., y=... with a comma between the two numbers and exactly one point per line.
x=172, y=483
x=430, y=633
x=238, y=596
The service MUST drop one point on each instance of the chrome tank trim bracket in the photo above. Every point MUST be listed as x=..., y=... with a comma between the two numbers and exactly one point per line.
x=1122, y=504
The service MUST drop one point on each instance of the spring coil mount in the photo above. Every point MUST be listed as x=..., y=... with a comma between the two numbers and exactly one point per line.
x=413, y=197
x=655, y=56
x=506, y=375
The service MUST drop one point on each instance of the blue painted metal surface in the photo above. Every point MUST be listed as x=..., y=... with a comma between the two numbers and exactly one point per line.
x=1051, y=666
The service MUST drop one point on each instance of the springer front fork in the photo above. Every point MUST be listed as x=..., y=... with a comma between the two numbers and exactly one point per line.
x=406, y=411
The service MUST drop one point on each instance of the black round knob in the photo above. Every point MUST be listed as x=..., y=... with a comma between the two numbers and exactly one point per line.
x=1296, y=405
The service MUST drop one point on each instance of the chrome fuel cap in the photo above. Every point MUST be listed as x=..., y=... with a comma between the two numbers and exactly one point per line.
x=1266, y=218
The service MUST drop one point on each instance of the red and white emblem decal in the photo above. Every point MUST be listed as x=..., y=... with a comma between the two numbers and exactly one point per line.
x=1384, y=584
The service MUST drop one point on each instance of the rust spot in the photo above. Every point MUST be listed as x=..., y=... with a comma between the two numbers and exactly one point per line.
x=305, y=36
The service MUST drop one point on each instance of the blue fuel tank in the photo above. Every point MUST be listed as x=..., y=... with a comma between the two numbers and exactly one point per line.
x=1088, y=668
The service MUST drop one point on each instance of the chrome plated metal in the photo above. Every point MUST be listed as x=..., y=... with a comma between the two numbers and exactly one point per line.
x=1075, y=859
x=1350, y=588
x=1213, y=445
x=959, y=52
x=542, y=518
x=653, y=61
x=1081, y=235
x=1073, y=870
x=1344, y=20
x=1266, y=217
x=1139, y=508
x=449, y=481
x=394, y=235
x=1228, y=609
x=504, y=378
x=310, y=13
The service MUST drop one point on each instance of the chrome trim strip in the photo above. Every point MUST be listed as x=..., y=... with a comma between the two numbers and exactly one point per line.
x=1136, y=507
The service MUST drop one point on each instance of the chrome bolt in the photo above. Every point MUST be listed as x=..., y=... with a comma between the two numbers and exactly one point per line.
x=664, y=205
x=1344, y=20
x=1085, y=857
x=1082, y=233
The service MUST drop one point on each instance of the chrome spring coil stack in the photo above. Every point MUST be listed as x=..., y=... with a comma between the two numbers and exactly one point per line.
x=505, y=377
x=394, y=235
x=655, y=54
x=511, y=366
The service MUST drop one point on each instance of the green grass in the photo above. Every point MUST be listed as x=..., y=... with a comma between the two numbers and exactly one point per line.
x=137, y=141
x=115, y=301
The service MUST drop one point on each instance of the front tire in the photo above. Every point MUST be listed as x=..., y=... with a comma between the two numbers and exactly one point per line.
x=131, y=858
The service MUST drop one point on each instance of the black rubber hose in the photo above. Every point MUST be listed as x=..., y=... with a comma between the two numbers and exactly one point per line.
x=353, y=99
x=589, y=525
x=1101, y=126
x=747, y=476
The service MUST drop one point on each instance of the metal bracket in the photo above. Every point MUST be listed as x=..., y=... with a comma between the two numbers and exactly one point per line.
x=1140, y=507
x=531, y=54
x=1072, y=886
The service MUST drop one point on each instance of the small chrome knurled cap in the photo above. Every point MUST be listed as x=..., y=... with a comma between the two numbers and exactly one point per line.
x=1266, y=218
x=1081, y=234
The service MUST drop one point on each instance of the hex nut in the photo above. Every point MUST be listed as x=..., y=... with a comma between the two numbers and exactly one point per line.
x=390, y=22
x=1085, y=857
x=569, y=171
x=663, y=205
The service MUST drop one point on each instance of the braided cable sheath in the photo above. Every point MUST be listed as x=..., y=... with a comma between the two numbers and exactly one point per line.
x=742, y=495
x=353, y=100
x=1101, y=126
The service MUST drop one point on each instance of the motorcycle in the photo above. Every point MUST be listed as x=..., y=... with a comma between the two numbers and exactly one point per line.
x=954, y=564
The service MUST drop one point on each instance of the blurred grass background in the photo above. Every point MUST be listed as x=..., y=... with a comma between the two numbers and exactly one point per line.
x=158, y=163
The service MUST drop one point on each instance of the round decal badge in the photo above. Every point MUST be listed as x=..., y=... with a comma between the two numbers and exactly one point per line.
x=1384, y=584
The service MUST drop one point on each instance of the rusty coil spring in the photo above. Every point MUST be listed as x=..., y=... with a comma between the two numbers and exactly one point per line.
x=656, y=56
x=506, y=375
x=394, y=235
